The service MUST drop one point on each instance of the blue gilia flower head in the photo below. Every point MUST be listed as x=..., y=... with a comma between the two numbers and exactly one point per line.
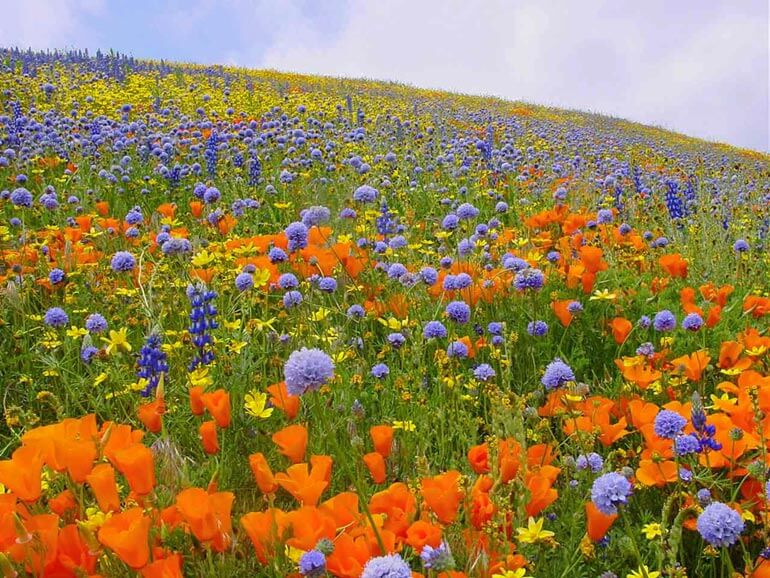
x=592, y=461
x=380, y=371
x=467, y=211
x=740, y=246
x=365, y=194
x=56, y=276
x=484, y=372
x=686, y=444
x=693, y=322
x=457, y=349
x=21, y=197
x=307, y=370
x=720, y=525
x=122, y=261
x=704, y=497
x=56, y=317
x=292, y=299
x=244, y=282
x=434, y=330
x=610, y=491
x=96, y=323
x=312, y=564
x=668, y=424
x=391, y=566
x=557, y=374
x=537, y=328
x=529, y=279
x=458, y=311
x=664, y=321
x=438, y=559
x=356, y=310
x=296, y=233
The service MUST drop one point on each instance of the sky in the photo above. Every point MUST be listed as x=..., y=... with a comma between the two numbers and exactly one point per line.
x=699, y=67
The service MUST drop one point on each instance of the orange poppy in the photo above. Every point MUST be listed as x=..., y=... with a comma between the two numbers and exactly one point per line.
x=305, y=485
x=266, y=530
x=126, y=534
x=136, y=464
x=150, y=414
x=280, y=398
x=21, y=474
x=422, y=533
x=208, y=434
x=196, y=400
x=598, y=523
x=218, y=405
x=207, y=515
x=262, y=473
x=442, y=495
x=621, y=327
x=674, y=265
x=292, y=442
x=105, y=489
x=375, y=463
x=399, y=506
x=382, y=437
x=168, y=567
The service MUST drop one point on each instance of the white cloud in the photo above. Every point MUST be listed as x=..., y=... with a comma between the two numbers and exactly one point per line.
x=699, y=68
x=48, y=24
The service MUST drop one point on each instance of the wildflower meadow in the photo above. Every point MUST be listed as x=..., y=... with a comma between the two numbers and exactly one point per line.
x=264, y=324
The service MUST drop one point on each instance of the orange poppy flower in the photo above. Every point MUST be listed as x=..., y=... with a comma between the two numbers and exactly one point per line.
x=218, y=405
x=422, y=533
x=136, y=464
x=126, y=534
x=561, y=310
x=692, y=365
x=399, y=506
x=382, y=437
x=442, y=495
x=478, y=457
x=21, y=474
x=266, y=530
x=150, y=414
x=292, y=442
x=674, y=265
x=105, y=489
x=207, y=515
x=168, y=567
x=621, y=327
x=375, y=463
x=280, y=398
x=262, y=473
x=196, y=209
x=103, y=208
x=62, y=503
x=309, y=525
x=598, y=523
x=656, y=472
x=196, y=400
x=349, y=557
x=306, y=486
x=208, y=434
x=166, y=209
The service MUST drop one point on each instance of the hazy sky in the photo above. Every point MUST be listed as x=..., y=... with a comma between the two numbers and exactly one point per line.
x=695, y=66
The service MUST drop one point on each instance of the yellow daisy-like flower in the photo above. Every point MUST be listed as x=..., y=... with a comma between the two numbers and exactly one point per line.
x=652, y=531
x=255, y=402
x=603, y=295
x=200, y=377
x=76, y=332
x=118, y=340
x=518, y=573
x=534, y=532
x=404, y=425
x=643, y=572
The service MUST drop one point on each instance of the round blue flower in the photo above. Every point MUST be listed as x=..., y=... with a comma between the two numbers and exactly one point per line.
x=720, y=525
x=537, y=328
x=458, y=311
x=610, y=491
x=21, y=197
x=307, y=370
x=592, y=461
x=292, y=299
x=356, y=310
x=704, y=497
x=122, y=261
x=380, y=371
x=604, y=216
x=532, y=279
x=668, y=424
x=312, y=564
x=557, y=373
x=457, y=349
x=484, y=372
x=433, y=330
x=664, y=321
x=391, y=566
x=740, y=246
x=429, y=275
x=244, y=281
x=686, y=444
x=56, y=317
x=396, y=340
x=327, y=284
x=56, y=276
x=467, y=211
x=365, y=194
x=644, y=322
x=693, y=322
x=96, y=323
x=495, y=328
x=277, y=255
x=296, y=233
x=288, y=281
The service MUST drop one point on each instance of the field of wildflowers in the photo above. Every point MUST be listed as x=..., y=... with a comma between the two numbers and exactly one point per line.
x=263, y=324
